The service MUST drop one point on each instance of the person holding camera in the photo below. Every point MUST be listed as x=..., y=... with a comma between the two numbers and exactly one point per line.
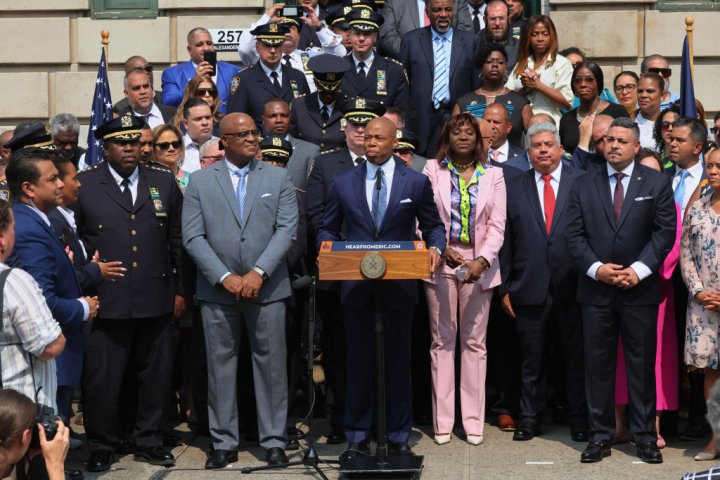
x=21, y=437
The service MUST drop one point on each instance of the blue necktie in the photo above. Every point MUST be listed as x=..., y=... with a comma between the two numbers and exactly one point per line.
x=240, y=190
x=379, y=198
x=680, y=188
x=440, y=78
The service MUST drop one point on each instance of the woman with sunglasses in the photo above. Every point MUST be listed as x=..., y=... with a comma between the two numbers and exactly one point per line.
x=201, y=87
x=649, y=93
x=541, y=74
x=492, y=62
x=625, y=85
x=470, y=198
x=662, y=133
x=168, y=149
x=588, y=83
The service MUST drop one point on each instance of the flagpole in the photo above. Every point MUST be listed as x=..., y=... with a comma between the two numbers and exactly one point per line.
x=689, y=28
x=105, y=40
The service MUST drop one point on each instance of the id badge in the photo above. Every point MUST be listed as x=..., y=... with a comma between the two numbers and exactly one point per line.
x=157, y=203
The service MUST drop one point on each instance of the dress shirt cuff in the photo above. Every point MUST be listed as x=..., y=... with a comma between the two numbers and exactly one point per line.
x=583, y=149
x=86, y=309
x=327, y=37
x=592, y=271
x=437, y=250
x=222, y=279
x=641, y=270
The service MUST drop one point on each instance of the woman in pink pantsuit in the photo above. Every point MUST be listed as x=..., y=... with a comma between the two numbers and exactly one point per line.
x=470, y=197
x=666, y=367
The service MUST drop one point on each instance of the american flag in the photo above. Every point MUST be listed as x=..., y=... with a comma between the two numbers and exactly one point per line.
x=101, y=113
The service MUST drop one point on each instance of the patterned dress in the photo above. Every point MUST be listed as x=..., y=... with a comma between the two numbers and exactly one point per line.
x=700, y=263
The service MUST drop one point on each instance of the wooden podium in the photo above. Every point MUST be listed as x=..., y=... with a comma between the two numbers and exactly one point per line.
x=375, y=262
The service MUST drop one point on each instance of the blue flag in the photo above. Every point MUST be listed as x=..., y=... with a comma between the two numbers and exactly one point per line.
x=687, y=91
x=101, y=113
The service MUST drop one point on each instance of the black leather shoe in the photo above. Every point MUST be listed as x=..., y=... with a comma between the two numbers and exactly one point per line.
x=402, y=449
x=99, y=461
x=354, y=450
x=154, y=456
x=579, y=435
x=336, y=437
x=526, y=430
x=275, y=456
x=295, y=433
x=649, y=452
x=595, y=452
x=220, y=459
x=73, y=474
x=292, y=444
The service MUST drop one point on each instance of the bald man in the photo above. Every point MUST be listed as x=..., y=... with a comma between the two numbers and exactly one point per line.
x=392, y=198
x=139, y=64
x=500, y=150
x=239, y=235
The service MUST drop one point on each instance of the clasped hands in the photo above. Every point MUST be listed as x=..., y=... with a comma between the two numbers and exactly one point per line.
x=709, y=298
x=617, y=275
x=529, y=79
x=475, y=268
x=244, y=286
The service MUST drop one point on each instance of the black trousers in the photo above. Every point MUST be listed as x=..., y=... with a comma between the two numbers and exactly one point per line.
x=503, y=359
x=637, y=325
x=534, y=325
x=334, y=359
x=142, y=348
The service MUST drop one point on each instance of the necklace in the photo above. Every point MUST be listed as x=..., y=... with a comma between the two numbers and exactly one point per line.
x=488, y=94
x=580, y=118
x=462, y=166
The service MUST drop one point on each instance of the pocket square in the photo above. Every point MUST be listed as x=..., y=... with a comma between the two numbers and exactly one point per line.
x=265, y=195
x=640, y=199
x=407, y=200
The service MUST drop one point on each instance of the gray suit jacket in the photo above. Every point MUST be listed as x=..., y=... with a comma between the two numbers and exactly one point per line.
x=301, y=160
x=402, y=16
x=220, y=241
x=418, y=163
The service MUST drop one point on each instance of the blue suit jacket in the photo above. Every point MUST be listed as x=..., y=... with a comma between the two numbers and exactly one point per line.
x=175, y=79
x=39, y=252
x=347, y=204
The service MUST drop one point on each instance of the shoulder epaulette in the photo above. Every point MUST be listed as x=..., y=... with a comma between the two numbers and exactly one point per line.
x=301, y=96
x=389, y=59
x=332, y=150
x=90, y=168
x=158, y=167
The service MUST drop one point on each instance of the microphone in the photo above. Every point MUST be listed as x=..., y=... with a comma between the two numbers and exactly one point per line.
x=301, y=283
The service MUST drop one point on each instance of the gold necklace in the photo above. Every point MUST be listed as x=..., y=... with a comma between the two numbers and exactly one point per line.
x=463, y=166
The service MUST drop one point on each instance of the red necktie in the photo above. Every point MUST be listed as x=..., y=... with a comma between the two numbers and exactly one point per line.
x=548, y=201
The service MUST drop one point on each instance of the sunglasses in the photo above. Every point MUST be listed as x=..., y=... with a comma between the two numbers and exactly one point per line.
x=201, y=92
x=579, y=80
x=147, y=68
x=165, y=145
x=666, y=125
x=663, y=72
x=714, y=129
x=629, y=87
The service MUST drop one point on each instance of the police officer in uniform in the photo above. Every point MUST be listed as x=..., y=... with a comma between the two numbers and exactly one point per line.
x=358, y=112
x=407, y=144
x=131, y=212
x=268, y=78
x=316, y=117
x=31, y=134
x=373, y=76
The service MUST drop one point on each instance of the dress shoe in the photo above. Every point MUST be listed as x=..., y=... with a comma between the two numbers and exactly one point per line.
x=506, y=423
x=296, y=433
x=526, y=430
x=292, y=444
x=75, y=443
x=579, y=435
x=401, y=449
x=154, y=456
x=125, y=448
x=474, y=440
x=442, y=439
x=336, y=437
x=73, y=474
x=695, y=431
x=99, y=461
x=220, y=459
x=595, y=452
x=171, y=441
x=354, y=450
x=649, y=452
x=706, y=456
x=275, y=456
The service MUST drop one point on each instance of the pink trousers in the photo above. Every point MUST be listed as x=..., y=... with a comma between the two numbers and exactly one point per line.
x=453, y=305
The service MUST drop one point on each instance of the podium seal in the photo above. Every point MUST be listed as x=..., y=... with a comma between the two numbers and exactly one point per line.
x=373, y=266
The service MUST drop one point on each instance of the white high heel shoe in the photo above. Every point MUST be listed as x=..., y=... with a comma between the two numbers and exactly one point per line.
x=442, y=439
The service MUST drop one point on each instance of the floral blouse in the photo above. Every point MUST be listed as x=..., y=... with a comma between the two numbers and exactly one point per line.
x=699, y=256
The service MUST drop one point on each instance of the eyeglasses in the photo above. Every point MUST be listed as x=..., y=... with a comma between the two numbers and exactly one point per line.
x=165, y=145
x=201, y=92
x=666, y=125
x=245, y=134
x=147, y=68
x=663, y=72
x=715, y=130
x=629, y=87
x=579, y=80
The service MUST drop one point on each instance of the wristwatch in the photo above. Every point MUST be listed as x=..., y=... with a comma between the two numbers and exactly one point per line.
x=436, y=249
x=261, y=272
x=484, y=262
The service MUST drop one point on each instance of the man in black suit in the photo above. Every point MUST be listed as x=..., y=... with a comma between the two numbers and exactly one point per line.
x=268, y=78
x=500, y=149
x=539, y=280
x=370, y=75
x=621, y=226
x=140, y=96
x=65, y=132
x=439, y=61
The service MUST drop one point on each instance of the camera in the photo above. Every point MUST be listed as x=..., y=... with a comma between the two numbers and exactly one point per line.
x=293, y=11
x=47, y=418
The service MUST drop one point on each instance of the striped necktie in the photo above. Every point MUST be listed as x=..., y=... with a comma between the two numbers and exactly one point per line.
x=440, y=78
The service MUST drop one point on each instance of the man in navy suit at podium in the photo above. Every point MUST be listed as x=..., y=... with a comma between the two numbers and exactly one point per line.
x=380, y=200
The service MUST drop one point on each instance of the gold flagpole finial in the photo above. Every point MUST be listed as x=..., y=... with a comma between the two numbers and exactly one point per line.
x=689, y=29
x=105, y=40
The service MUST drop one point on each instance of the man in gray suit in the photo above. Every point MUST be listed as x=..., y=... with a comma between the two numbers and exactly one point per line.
x=403, y=16
x=276, y=121
x=239, y=221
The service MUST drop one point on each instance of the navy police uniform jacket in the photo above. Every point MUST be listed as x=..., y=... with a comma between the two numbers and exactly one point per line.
x=386, y=82
x=306, y=123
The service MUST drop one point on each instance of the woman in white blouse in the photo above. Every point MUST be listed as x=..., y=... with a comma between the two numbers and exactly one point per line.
x=541, y=74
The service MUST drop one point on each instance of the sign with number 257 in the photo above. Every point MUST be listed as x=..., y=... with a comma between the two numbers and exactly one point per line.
x=225, y=39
